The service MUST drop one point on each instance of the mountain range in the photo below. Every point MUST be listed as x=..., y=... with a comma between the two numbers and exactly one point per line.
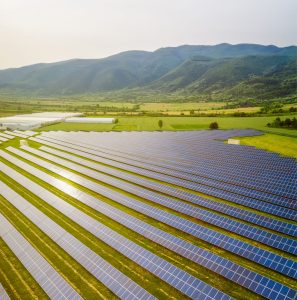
x=243, y=70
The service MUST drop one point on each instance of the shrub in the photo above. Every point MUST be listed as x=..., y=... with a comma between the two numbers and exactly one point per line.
x=214, y=125
x=160, y=124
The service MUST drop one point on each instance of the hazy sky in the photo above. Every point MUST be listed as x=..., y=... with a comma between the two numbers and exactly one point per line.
x=33, y=31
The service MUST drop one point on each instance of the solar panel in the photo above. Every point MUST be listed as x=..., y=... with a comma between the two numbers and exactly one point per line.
x=176, y=277
x=169, y=146
x=276, y=241
x=263, y=257
x=46, y=276
x=6, y=135
x=222, y=266
x=16, y=134
x=3, y=294
x=97, y=266
x=271, y=223
x=259, y=184
x=219, y=178
x=229, y=196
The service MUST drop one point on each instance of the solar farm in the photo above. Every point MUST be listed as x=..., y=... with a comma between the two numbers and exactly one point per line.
x=145, y=215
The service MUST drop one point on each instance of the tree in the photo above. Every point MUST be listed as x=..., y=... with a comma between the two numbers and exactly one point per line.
x=294, y=123
x=288, y=122
x=160, y=124
x=214, y=125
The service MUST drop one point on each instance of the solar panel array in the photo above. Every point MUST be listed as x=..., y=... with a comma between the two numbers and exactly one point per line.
x=48, y=278
x=188, y=284
x=226, y=195
x=164, y=172
x=282, y=243
x=275, y=262
x=3, y=294
x=270, y=223
x=120, y=284
x=215, y=263
x=5, y=137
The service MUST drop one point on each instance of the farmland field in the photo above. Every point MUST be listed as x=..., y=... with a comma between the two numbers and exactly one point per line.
x=284, y=145
x=71, y=193
x=177, y=123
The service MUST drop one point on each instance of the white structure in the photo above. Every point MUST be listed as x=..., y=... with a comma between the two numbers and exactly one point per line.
x=33, y=121
x=91, y=120
x=23, y=143
x=233, y=142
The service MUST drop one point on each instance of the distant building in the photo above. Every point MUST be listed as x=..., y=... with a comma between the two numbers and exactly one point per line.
x=233, y=142
x=91, y=120
x=35, y=120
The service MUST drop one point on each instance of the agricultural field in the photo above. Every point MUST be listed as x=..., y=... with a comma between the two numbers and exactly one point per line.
x=144, y=215
x=135, y=123
x=283, y=145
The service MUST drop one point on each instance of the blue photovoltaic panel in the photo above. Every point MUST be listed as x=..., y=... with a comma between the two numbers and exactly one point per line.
x=263, y=257
x=228, y=269
x=54, y=285
x=3, y=294
x=236, y=198
x=176, y=277
x=276, y=241
x=97, y=266
x=204, y=174
x=276, y=225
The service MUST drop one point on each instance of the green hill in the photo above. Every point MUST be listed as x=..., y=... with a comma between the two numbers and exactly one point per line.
x=192, y=69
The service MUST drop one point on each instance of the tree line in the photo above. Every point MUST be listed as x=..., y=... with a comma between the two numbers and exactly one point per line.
x=287, y=123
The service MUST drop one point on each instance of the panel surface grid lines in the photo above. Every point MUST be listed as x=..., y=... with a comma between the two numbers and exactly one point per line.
x=141, y=256
x=47, y=277
x=252, y=217
x=101, y=269
x=199, y=162
x=3, y=294
x=248, y=231
x=210, y=259
x=275, y=262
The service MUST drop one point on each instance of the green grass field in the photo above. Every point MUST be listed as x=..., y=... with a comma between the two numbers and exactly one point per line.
x=279, y=140
x=133, y=123
x=283, y=145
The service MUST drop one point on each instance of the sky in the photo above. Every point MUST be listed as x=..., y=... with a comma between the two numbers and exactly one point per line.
x=33, y=31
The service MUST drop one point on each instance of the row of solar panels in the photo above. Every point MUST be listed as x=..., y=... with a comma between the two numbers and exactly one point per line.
x=219, y=174
x=251, y=217
x=103, y=271
x=181, y=172
x=255, y=254
x=222, y=178
x=218, y=157
x=226, y=195
x=237, y=166
x=175, y=147
x=225, y=271
x=3, y=293
x=276, y=241
x=243, y=276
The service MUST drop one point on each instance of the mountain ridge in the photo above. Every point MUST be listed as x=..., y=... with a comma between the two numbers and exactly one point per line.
x=196, y=69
